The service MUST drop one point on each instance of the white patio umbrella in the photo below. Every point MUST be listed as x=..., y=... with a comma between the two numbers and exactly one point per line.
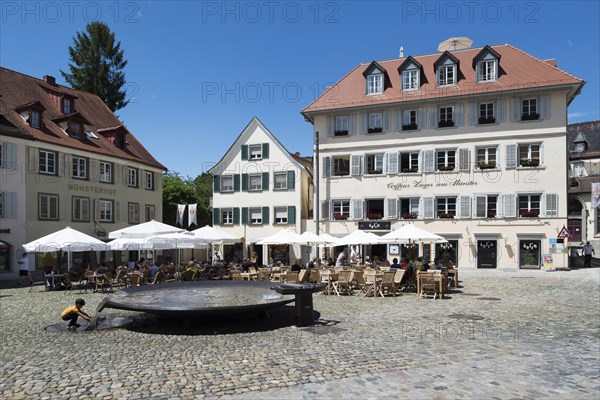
x=176, y=240
x=144, y=230
x=359, y=237
x=130, y=244
x=211, y=235
x=284, y=236
x=309, y=238
x=67, y=239
x=331, y=240
x=455, y=43
x=409, y=234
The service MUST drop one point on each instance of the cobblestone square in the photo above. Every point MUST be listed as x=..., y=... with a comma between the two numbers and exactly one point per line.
x=504, y=335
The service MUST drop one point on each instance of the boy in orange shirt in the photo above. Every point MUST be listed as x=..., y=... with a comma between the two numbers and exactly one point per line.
x=72, y=313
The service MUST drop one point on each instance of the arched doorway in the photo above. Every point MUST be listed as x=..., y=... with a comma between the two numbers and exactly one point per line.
x=575, y=218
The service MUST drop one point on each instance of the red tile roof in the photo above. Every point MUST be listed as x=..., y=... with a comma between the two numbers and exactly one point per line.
x=18, y=90
x=518, y=70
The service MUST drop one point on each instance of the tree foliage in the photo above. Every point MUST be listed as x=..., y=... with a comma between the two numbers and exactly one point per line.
x=96, y=65
x=178, y=190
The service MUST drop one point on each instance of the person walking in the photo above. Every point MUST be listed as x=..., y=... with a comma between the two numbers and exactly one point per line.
x=24, y=269
x=588, y=250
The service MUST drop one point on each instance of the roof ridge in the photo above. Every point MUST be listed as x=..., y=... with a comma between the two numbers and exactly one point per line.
x=540, y=60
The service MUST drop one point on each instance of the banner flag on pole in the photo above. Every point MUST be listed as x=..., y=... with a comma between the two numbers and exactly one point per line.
x=595, y=195
x=180, y=211
x=192, y=214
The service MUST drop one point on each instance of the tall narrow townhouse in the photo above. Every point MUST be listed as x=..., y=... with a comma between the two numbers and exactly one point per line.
x=80, y=167
x=258, y=189
x=469, y=144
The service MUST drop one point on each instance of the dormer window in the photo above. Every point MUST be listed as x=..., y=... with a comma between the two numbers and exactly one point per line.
x=120, y=141
x=410, y=79
x=487, y=70
x=375, y=84
x=446, y=75
x=74, y=129
x=67, y=105
x=34, y=121
x=579, y=147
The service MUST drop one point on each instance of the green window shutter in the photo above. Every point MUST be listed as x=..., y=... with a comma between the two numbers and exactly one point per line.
x=291, y=215
x=236, y=183
x=244, y=215
x=236, y=216
x=265, y=151
x=291, y=179
x=265, y=181
x=216, y=183
x=244, y=182
x=216, y=216
x=244, y=152
x=265, y=216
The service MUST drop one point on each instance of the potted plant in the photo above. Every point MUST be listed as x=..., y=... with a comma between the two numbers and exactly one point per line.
x=448, y=215
x=530, y=117
x=409, y=127
x=529, y=213
x=374, y=215
x=340, y=217
x=490, y=165
x=491, y=214
x=408, y=170
x=409, y=215
x=488, y=120
x=446, y=168
x=375, y=130
x=445, y=124
x=374, y=171
x=341, y=133
x=533, y=162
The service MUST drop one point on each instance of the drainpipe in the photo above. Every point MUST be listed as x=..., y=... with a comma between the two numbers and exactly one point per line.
x=317, y=205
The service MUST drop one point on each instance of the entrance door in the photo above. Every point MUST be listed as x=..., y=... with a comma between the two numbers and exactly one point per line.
x=449, y=249
x=574, y=227
x=486, y=254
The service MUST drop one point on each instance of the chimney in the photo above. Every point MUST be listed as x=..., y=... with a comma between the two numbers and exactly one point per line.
x=551, y=61
x=401, y=52
x=49, y=79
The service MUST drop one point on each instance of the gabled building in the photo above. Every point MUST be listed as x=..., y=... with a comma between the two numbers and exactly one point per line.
x=72, y=163
x=469, y=144
x=584, y=171
x=259, y=188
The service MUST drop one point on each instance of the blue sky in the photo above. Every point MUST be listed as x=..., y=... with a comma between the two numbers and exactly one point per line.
x=199, y=71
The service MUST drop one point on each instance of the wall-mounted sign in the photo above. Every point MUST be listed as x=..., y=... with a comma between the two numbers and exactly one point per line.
x=76, y=187
x=374, y=225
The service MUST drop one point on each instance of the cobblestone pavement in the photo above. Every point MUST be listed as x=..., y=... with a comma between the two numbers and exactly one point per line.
x=501, y=335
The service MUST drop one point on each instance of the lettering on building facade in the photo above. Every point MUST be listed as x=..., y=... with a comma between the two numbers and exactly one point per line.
x=426, y=185
x=75, y=187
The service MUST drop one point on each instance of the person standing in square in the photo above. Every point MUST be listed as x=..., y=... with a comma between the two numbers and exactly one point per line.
x=24, y=269
x=588, y=250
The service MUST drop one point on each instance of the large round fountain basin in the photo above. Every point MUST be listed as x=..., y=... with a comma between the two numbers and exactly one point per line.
x=189, y=299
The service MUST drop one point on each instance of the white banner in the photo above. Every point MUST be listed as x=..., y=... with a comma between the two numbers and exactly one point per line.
x=192, y=214
x=596, y=195
x=180, y=211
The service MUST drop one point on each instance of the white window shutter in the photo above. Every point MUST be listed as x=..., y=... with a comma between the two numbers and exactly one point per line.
x=511, y=156
x=392, y=163
x=421, y=117
x=509, y=205
x=363, y=124
x=542, y=154
x=473, y=113
x=325, y=210
x=357, y=208
x=397, y=120
x=405, y=118
x=480, y=207
x=10, y=156
x=117, y=211
x=433, y=117
x=459, y=114
x=516, y=110
x=352, y=124
x=500, y=111
x=61, y=164
x=549, y=205
x=427, y=160
x=9, y=205
x=464, y=208
x=330, y=126
x=464, y=159
x=326, y=167
x=386, y=121
x=391, y=211
x=355, y=164
x=32, y=161
x=427, y=207
x=545, y=106
x=96, y=210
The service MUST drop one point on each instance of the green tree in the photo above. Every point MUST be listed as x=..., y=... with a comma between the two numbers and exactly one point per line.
x=176, y=190
x=96, y=65
x=204, y=189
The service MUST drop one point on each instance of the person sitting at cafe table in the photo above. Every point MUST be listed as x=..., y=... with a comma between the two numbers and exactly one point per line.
x=153, y=270
x=436, y=265
x=446, y=262
x=51, y=283
x=395, y=263
x=297, y=266
x=341, y=259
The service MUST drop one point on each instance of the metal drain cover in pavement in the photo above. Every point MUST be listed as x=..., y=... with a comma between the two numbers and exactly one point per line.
x=488, y=298
x=471, y=317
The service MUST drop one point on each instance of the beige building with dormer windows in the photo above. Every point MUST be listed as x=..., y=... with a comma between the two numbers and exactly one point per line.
x=469, y=144
x=74, y=164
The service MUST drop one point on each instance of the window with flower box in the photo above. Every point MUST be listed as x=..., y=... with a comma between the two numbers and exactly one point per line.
x=529, y=109
x=529, y=205
x=446, y=118
x=409, y=162
x=486, y=113
x=486, y=206
x=529, y=155
x=341, y=125
x=445, y=160
x=341, y=165
x=487, y=157
x=375, y=123
x=446, y=207
x=374, y=164
x=374, y=208
x=410, y=120
x=340, y=209
x=409, y=208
